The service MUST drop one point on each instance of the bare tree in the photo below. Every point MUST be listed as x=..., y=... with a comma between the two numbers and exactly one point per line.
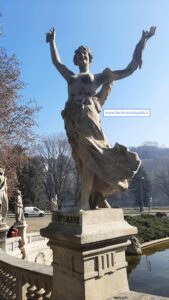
x=17, y=118
x=76, y=185
x=11, y=159
x=57, y=160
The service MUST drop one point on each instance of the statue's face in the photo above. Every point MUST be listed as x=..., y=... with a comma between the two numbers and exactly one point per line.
x=2, y=176
x=83, y=59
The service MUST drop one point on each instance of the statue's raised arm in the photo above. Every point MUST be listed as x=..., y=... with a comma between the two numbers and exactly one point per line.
x=137, y=56
x=63, y=70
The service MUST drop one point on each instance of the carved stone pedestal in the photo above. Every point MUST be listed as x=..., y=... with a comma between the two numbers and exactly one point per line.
x=21, y=226
x=88, y=253
x=3, y=235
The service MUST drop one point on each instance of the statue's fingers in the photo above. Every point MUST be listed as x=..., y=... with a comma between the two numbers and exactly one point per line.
x=47, y=37
x=143, y=35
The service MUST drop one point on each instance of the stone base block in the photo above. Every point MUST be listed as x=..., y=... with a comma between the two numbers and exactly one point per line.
x=88, y=253
x=21, y=226
x=3, y=235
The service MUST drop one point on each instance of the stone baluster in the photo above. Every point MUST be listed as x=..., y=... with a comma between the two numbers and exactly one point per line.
x=6, y=284
x=21, y=286
x=2, y=277
x=38, y=293
x=12, y=286
x=47, y=293
x=30, y=290
x=17, y=281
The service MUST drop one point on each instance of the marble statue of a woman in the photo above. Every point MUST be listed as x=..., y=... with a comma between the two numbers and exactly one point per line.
x=19, y=213
x=103, y=169
x=3, y=196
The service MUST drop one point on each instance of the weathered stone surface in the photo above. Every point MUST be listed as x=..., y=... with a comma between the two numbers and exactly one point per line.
x=103, y=169
x=3, y=233
x=3, y=197
x=23, y=280
x=19, y=214
x=134, y=247
x=36, y=247
x=54, y=203
x=88, y=226
x=3, y=209
x=21, y=226
x=88, y=253
x=89, y=246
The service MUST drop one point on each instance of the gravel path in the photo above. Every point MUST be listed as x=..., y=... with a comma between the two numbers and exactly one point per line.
x=34, y=223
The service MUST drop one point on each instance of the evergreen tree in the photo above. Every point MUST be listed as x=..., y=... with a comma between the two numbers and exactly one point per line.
x=31, y=183
x=140, y=186
x=162, y=179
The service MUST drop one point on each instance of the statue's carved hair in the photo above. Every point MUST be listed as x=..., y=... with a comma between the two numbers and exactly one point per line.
x=82, y=48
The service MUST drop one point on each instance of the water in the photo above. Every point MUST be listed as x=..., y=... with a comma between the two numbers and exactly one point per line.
x=149, y=273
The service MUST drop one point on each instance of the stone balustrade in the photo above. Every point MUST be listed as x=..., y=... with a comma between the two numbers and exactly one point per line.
x=12, y=246
x=20, y=279
x=36, y=248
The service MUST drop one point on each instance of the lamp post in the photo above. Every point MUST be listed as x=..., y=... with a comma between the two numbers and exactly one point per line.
x=150, y=203
x=141, y=192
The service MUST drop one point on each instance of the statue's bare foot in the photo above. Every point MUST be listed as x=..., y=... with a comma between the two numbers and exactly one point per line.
x=84, y=206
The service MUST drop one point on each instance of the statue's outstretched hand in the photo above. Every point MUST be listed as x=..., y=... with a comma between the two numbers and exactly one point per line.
x=152, y=31
x=50, y=36
x=136, y=61
x=147, y=34
x=140, y=46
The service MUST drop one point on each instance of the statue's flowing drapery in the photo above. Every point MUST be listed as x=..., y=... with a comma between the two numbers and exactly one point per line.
x=89, y=146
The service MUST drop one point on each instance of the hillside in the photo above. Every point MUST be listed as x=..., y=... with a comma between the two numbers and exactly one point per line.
x=155, y=160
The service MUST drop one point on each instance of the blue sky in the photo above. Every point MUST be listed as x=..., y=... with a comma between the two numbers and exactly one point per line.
x=111, y=29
